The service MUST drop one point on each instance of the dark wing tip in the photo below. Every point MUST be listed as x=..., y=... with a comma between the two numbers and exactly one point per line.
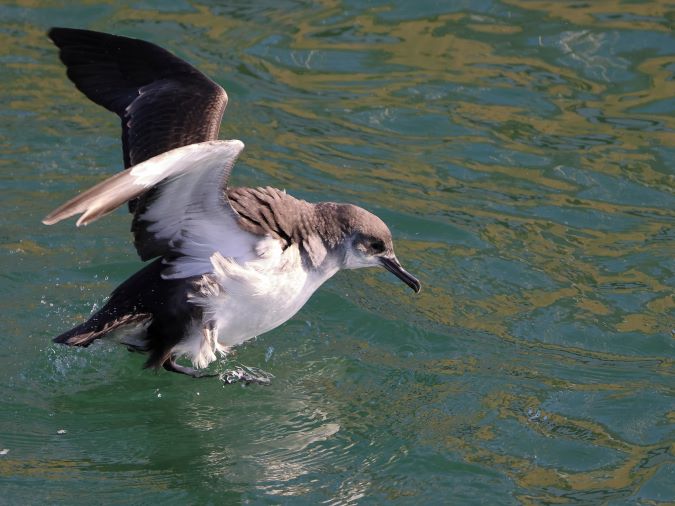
x=163, y=101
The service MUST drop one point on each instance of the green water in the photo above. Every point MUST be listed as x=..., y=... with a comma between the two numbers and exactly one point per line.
x=521, y=151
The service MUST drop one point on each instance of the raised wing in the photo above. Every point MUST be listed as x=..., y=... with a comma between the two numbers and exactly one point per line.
x=164, y=102
x=189, y=218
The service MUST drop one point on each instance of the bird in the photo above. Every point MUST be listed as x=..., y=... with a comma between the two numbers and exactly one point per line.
x=225, y=263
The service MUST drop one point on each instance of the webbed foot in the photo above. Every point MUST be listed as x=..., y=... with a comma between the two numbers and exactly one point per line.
x=171, y=365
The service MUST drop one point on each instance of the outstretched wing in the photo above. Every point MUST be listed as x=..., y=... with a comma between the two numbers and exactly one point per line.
x=189, y=217
x=164, y=102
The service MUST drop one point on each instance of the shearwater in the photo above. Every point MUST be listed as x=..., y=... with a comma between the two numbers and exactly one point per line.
x=228, y=263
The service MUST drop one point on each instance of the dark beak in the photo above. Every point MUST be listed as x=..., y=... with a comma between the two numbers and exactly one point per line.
x=392, y=265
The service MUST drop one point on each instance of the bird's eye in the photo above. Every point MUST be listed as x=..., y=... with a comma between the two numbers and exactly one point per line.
x=377, y=246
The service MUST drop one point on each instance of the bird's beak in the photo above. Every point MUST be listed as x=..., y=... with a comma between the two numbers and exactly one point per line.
x=393, y=266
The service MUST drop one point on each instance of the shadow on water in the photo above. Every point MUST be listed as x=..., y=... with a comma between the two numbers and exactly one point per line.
x=522, y=154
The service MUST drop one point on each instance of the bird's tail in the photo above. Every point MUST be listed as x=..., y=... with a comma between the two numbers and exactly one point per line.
x=126, y=306
x=130, y=305
x=99, y=325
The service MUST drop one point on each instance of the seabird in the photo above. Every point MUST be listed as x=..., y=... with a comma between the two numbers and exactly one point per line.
x=228, y=263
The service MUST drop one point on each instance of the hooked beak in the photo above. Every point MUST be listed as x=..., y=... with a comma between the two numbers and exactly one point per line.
x=393, y=266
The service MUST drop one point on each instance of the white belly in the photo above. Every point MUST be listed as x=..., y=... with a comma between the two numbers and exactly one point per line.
x=252, y=298
x=249, y=313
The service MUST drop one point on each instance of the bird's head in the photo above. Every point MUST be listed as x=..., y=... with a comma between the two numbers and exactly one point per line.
x=368, y=243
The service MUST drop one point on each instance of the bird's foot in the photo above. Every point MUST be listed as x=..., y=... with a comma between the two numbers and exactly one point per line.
x=246, y=375
x=171, y=365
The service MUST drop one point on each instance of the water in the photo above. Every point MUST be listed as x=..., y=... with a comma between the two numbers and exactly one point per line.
x=522, y=153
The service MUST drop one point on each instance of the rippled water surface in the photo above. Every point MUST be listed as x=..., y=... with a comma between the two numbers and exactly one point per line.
x=522, y=152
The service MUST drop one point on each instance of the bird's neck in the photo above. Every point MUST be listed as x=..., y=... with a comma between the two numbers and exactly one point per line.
x=331, y=232
x=318, y=230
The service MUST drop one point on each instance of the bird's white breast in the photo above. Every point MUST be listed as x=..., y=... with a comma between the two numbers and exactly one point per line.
x=252, y=297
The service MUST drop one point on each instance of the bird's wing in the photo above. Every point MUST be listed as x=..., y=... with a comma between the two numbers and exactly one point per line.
x=189, y=217
x=164, y=102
